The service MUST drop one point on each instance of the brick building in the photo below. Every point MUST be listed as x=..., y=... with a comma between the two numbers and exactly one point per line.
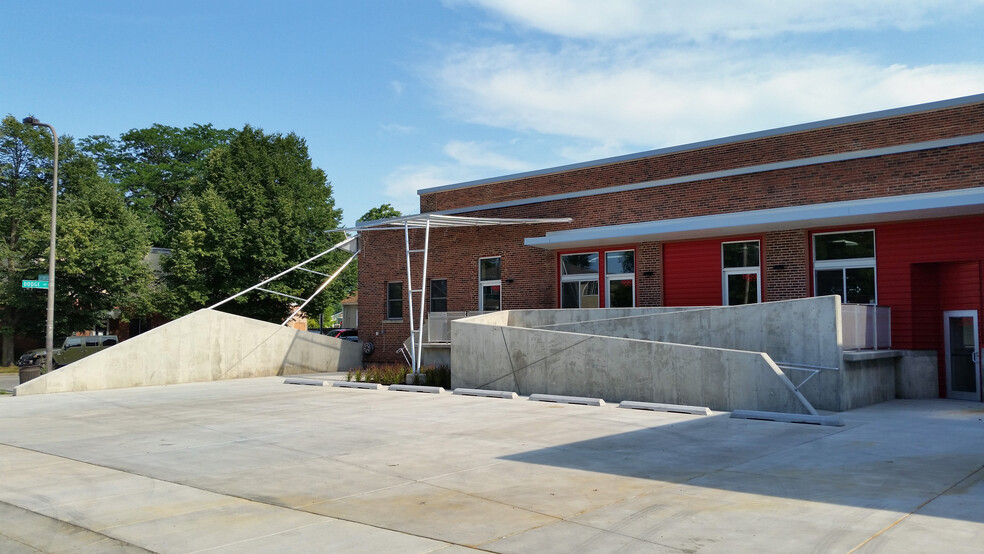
x=883, y=208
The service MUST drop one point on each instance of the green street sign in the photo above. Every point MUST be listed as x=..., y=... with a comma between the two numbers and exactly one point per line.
x=34, y=284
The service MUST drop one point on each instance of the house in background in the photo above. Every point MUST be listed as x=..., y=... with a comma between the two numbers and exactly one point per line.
x=884, y=209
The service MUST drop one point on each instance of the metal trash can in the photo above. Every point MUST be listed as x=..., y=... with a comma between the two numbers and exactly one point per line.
x=29, y=372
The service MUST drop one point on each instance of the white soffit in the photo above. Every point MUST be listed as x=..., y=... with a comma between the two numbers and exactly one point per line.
x=434, y=220
x=870, y=210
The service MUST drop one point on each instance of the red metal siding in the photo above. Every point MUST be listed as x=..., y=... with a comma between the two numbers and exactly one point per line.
x=915, y=291
x=692, y=273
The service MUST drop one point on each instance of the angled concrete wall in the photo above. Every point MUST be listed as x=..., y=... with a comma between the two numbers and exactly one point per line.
x=803, y=331
x=203, y=346
x=487, y=354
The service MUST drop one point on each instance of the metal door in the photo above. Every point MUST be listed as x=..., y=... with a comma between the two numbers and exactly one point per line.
x=963, y=355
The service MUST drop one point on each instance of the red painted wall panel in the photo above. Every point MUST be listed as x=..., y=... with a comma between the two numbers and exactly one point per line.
x=692, y=273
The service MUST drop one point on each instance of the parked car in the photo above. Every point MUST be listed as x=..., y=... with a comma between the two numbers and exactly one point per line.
x=68, y=350
x=344, y=334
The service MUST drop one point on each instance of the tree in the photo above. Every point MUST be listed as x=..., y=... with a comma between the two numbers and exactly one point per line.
x=100, y=241
x=384, y=211
x=262, y=208
x=156, y=167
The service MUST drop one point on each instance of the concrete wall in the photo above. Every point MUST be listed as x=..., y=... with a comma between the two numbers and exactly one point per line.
x=804, y=331
x=203, y=346
x=488, y=354
x=917, y=374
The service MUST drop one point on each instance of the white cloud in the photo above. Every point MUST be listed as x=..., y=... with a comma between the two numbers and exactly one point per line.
x=735, y=19
x=656, y=97
x=397, y=87
x=468, y=161
x=397, y=129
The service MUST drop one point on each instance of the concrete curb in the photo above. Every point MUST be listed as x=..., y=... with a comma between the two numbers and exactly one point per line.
x=310, y=382
x=788, y=418
x=357, y=385
x=486, y=393
x=417, y=388
x=584, y=401
x=657, y=407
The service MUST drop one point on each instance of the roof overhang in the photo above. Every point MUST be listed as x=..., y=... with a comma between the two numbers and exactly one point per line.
x=870, y=210
x=434, y=220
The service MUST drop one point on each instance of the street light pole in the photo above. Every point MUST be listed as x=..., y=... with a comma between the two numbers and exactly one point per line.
x=49, y=339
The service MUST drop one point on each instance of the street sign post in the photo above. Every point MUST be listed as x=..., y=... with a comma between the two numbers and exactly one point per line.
x=34, y=284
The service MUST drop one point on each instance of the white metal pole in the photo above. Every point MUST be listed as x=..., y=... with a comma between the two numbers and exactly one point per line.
x=413, y=351
x=423, y=288
x=282, y=273
x=321, y=288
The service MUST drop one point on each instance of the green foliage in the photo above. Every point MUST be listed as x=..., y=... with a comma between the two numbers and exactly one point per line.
x=262, y=207
x=384, y=211
x=100, y=241
x=389, y=374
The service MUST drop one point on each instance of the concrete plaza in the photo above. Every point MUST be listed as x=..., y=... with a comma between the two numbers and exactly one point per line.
x=256, y=465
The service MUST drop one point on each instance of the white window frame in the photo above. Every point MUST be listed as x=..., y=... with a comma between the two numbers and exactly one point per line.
x=489, y=283
x=579, y=277
x=609, y=277
x=728, y=271
x=846, y=263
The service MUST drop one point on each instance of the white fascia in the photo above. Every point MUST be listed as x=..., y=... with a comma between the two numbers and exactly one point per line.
x=869, y=210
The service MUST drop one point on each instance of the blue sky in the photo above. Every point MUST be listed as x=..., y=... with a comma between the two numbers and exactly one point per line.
x=397, y=95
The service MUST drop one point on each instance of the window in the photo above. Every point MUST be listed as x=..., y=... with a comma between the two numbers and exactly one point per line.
x=394, y=300
x=489, y=284
x=742, y=277
x=620, y=278
x=844, y=264
x=439, y=295
x=91, y=341
x=579, y=280
x=582, y=273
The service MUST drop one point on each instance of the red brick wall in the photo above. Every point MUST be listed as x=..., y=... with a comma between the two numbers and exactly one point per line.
x=919, y=127
x=455, y=252
x=789, y=249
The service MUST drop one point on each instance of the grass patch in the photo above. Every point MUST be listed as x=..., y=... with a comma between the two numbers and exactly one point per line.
x=390, y=374
x=9, y=369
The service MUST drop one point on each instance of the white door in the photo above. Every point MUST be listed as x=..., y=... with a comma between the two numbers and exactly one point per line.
x=963, y=356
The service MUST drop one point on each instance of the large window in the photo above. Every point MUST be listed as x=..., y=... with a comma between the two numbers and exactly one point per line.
x=844, y=264
x=579, y=280
x=581, y=275
x=394, y=300
x=742, y=276
x=439, y=295
x=489, y=284
x=620, y=278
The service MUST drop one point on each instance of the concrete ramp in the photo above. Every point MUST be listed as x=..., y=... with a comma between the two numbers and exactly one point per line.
x=203, y=346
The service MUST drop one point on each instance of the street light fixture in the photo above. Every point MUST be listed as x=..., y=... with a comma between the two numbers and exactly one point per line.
x=49, y=339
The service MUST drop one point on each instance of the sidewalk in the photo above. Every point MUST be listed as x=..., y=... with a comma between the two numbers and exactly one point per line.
x=257, y=466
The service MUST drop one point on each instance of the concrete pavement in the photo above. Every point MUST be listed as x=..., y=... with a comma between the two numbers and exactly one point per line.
x=255, y=465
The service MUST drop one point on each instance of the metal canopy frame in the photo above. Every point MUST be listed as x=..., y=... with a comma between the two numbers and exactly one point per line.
x=350, y=244
x=426, y=222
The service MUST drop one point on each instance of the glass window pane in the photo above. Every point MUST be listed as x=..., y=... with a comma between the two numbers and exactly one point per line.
x=589, y=294
x=830, y=281
x=489, y=269
x=394, y=300
x=742, y=288
x=620, y=262
x=741, y=254
x=578, y=264
x=620, y=293
x=844, y=246
x=860, y=285
x=491, y=298
x=569, y=297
